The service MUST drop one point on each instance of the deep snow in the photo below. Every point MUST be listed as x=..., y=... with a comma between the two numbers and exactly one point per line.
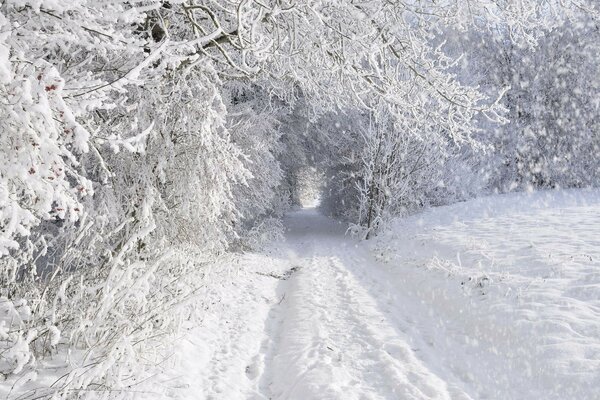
x=496, y=298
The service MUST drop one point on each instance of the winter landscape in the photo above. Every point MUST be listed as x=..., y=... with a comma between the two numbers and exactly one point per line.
x=300, y=199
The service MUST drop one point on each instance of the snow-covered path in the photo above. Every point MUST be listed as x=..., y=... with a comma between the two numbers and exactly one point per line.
x=341, y=337
x=318, y=317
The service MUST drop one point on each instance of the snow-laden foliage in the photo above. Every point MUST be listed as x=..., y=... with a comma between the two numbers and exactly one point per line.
x=141, y=140
x=255, y=127
x=118, y=171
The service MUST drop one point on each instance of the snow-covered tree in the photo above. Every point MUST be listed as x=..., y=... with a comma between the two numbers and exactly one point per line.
x=551, y=135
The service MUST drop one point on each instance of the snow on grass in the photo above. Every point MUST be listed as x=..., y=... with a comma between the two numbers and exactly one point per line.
x=516, y=280
x=221, y=352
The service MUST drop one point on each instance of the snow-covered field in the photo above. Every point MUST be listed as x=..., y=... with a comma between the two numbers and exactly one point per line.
x=513, y=284
x=496, y=298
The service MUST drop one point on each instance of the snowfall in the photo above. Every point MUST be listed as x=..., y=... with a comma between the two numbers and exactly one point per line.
x=494, y=298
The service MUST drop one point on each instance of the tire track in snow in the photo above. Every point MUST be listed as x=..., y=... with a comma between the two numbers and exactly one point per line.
x=332, y=342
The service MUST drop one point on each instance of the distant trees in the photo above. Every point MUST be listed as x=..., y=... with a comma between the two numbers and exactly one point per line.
x=551, y=137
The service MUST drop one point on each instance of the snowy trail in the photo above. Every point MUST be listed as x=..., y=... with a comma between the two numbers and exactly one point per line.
x=318, y=317
x=337, y=339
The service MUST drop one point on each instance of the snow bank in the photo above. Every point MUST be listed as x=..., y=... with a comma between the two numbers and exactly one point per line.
x=222, y=349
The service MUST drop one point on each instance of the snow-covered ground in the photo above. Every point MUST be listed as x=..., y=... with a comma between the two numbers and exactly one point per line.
x=496, y=298
x=513, y=285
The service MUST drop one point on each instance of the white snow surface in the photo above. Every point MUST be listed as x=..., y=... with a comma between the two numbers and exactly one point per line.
x=496, y=298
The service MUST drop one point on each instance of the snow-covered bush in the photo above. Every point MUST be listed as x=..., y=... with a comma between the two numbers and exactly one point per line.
x=390, y=171
x=116, y=183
